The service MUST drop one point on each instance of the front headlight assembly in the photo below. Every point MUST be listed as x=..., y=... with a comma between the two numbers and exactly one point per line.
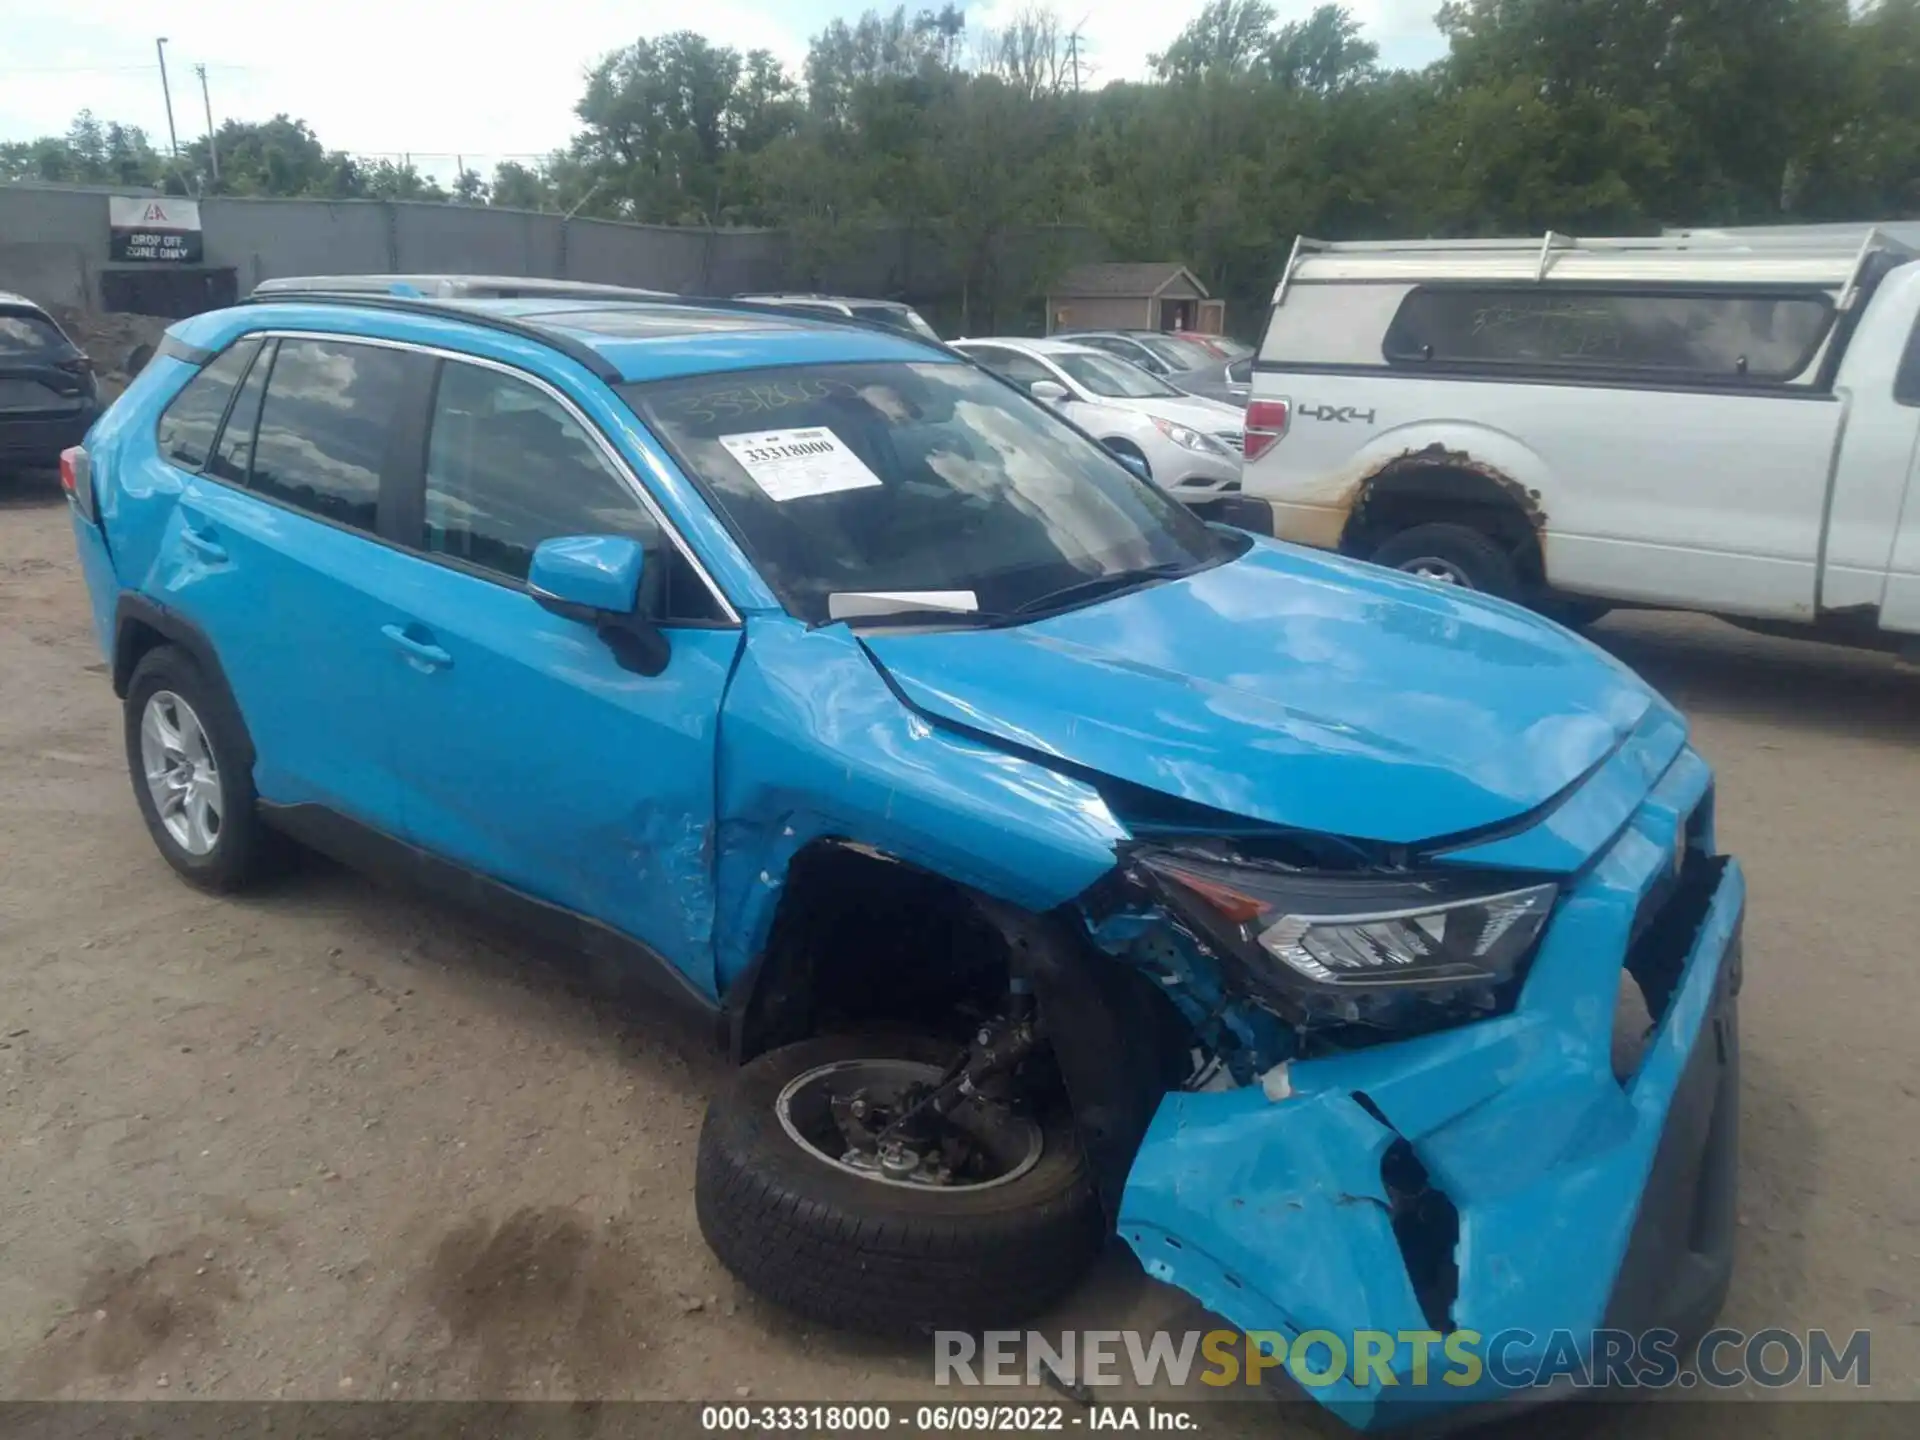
x=1357, y=948
x=1188, y=438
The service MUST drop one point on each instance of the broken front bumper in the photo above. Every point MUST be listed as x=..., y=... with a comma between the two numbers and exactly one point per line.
x=1495, y=1180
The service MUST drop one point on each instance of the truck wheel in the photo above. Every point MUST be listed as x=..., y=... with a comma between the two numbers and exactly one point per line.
x=190, y=774
x=989, y=1221
x=1452, y=555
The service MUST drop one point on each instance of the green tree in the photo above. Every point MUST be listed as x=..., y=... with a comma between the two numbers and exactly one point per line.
x=1323, y=53
x=1228, y=37
x=519, y=187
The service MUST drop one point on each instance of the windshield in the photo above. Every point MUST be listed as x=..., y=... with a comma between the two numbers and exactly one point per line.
x=1181, y=354
x=1116, y=379
x=923, y=483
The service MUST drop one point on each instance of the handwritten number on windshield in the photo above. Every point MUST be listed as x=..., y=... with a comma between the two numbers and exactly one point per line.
x=737, y=401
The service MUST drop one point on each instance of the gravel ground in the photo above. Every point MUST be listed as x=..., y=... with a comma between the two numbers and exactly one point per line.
x=334, y=1142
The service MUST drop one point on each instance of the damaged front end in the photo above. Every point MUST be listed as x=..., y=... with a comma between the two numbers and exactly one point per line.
x=1407, y=1120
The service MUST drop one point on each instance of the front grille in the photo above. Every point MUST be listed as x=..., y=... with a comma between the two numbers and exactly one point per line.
x=1234, y=440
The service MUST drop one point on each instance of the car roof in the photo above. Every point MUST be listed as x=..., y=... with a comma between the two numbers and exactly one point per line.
x=20, y=302
x=620, y=340
x=1032, y=344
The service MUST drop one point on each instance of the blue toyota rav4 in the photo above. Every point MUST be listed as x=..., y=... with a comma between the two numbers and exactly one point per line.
x=1053, y=863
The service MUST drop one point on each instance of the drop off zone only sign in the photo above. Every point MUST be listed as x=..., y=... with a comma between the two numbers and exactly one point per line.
x=153, y=227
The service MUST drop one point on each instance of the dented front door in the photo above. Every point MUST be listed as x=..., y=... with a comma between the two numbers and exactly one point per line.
x=532, y=757
x=526, y=751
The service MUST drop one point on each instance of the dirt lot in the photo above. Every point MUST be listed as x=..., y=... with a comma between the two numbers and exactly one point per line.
x=332, y=1142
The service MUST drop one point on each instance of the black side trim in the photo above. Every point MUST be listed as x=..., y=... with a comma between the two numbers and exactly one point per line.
x=380, y=855
x=175, y=348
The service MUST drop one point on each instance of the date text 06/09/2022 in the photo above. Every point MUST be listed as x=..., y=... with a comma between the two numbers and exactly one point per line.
x=875, y=1419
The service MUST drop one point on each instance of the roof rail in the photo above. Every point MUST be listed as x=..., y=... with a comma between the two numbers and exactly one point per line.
x=527, y=327
x=1876, y=242
x=585, y=355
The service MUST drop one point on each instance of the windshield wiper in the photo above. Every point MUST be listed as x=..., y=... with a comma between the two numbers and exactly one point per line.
x=1095, y=586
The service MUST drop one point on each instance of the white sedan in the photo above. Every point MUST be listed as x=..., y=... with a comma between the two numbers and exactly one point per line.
x=1189, y=446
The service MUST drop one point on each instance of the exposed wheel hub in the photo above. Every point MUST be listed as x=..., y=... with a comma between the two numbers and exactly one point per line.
x=869, y=1118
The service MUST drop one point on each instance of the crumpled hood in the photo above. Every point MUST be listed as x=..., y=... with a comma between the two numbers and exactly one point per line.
x=1293, y=688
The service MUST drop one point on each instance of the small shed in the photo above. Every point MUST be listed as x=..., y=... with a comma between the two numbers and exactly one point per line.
x=1154, y=296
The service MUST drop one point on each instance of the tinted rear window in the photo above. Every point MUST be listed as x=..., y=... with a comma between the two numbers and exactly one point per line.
x=24, y=334
x=1672, y=335
x=188, y=424
x=330, y=412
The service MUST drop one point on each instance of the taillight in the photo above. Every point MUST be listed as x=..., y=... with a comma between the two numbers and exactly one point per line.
x=76, y=478
x=1266, y=423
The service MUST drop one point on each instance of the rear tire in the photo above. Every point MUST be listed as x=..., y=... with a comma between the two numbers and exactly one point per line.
x=1452, y=555
x=184, y=727
x=858, y=1253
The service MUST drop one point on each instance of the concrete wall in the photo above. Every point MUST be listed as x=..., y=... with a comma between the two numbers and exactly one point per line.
x=53, y=243
x=475, y=240
x=264, y=239
x=52, y=274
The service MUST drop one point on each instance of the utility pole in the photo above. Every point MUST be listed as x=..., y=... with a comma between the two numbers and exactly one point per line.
x=160, y=49
x=1073, y=55
x=213, y=150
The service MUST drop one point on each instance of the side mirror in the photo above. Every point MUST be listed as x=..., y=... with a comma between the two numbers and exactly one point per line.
x=595, y=579
x=1135, y=462
x=1048, y=392
x=596, y=574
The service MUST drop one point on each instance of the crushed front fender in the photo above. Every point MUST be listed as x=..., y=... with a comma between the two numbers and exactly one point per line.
x=1498, y=1179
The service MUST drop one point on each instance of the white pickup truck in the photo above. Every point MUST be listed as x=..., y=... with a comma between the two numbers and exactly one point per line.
x=1696, y=422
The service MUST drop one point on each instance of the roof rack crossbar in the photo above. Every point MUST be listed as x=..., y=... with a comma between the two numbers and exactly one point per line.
x=1302, y=245
x=1547, y=246
x=1869, y=245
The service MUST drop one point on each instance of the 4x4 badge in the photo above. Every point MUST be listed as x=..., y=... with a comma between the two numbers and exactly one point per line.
x=1339, y=413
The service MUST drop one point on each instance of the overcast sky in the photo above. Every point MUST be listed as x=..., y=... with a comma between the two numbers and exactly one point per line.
x=484, y=79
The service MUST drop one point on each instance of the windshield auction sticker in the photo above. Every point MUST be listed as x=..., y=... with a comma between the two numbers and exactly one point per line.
x=793, y=464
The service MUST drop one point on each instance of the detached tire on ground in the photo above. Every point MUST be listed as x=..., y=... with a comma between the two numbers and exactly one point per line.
x=861, y=1253
x=1452, y=554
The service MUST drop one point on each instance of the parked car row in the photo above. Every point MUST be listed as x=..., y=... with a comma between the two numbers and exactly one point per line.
x=49, y=396
x=1188, y=445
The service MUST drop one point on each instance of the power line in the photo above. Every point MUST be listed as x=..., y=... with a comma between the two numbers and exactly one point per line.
x=102, y=69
